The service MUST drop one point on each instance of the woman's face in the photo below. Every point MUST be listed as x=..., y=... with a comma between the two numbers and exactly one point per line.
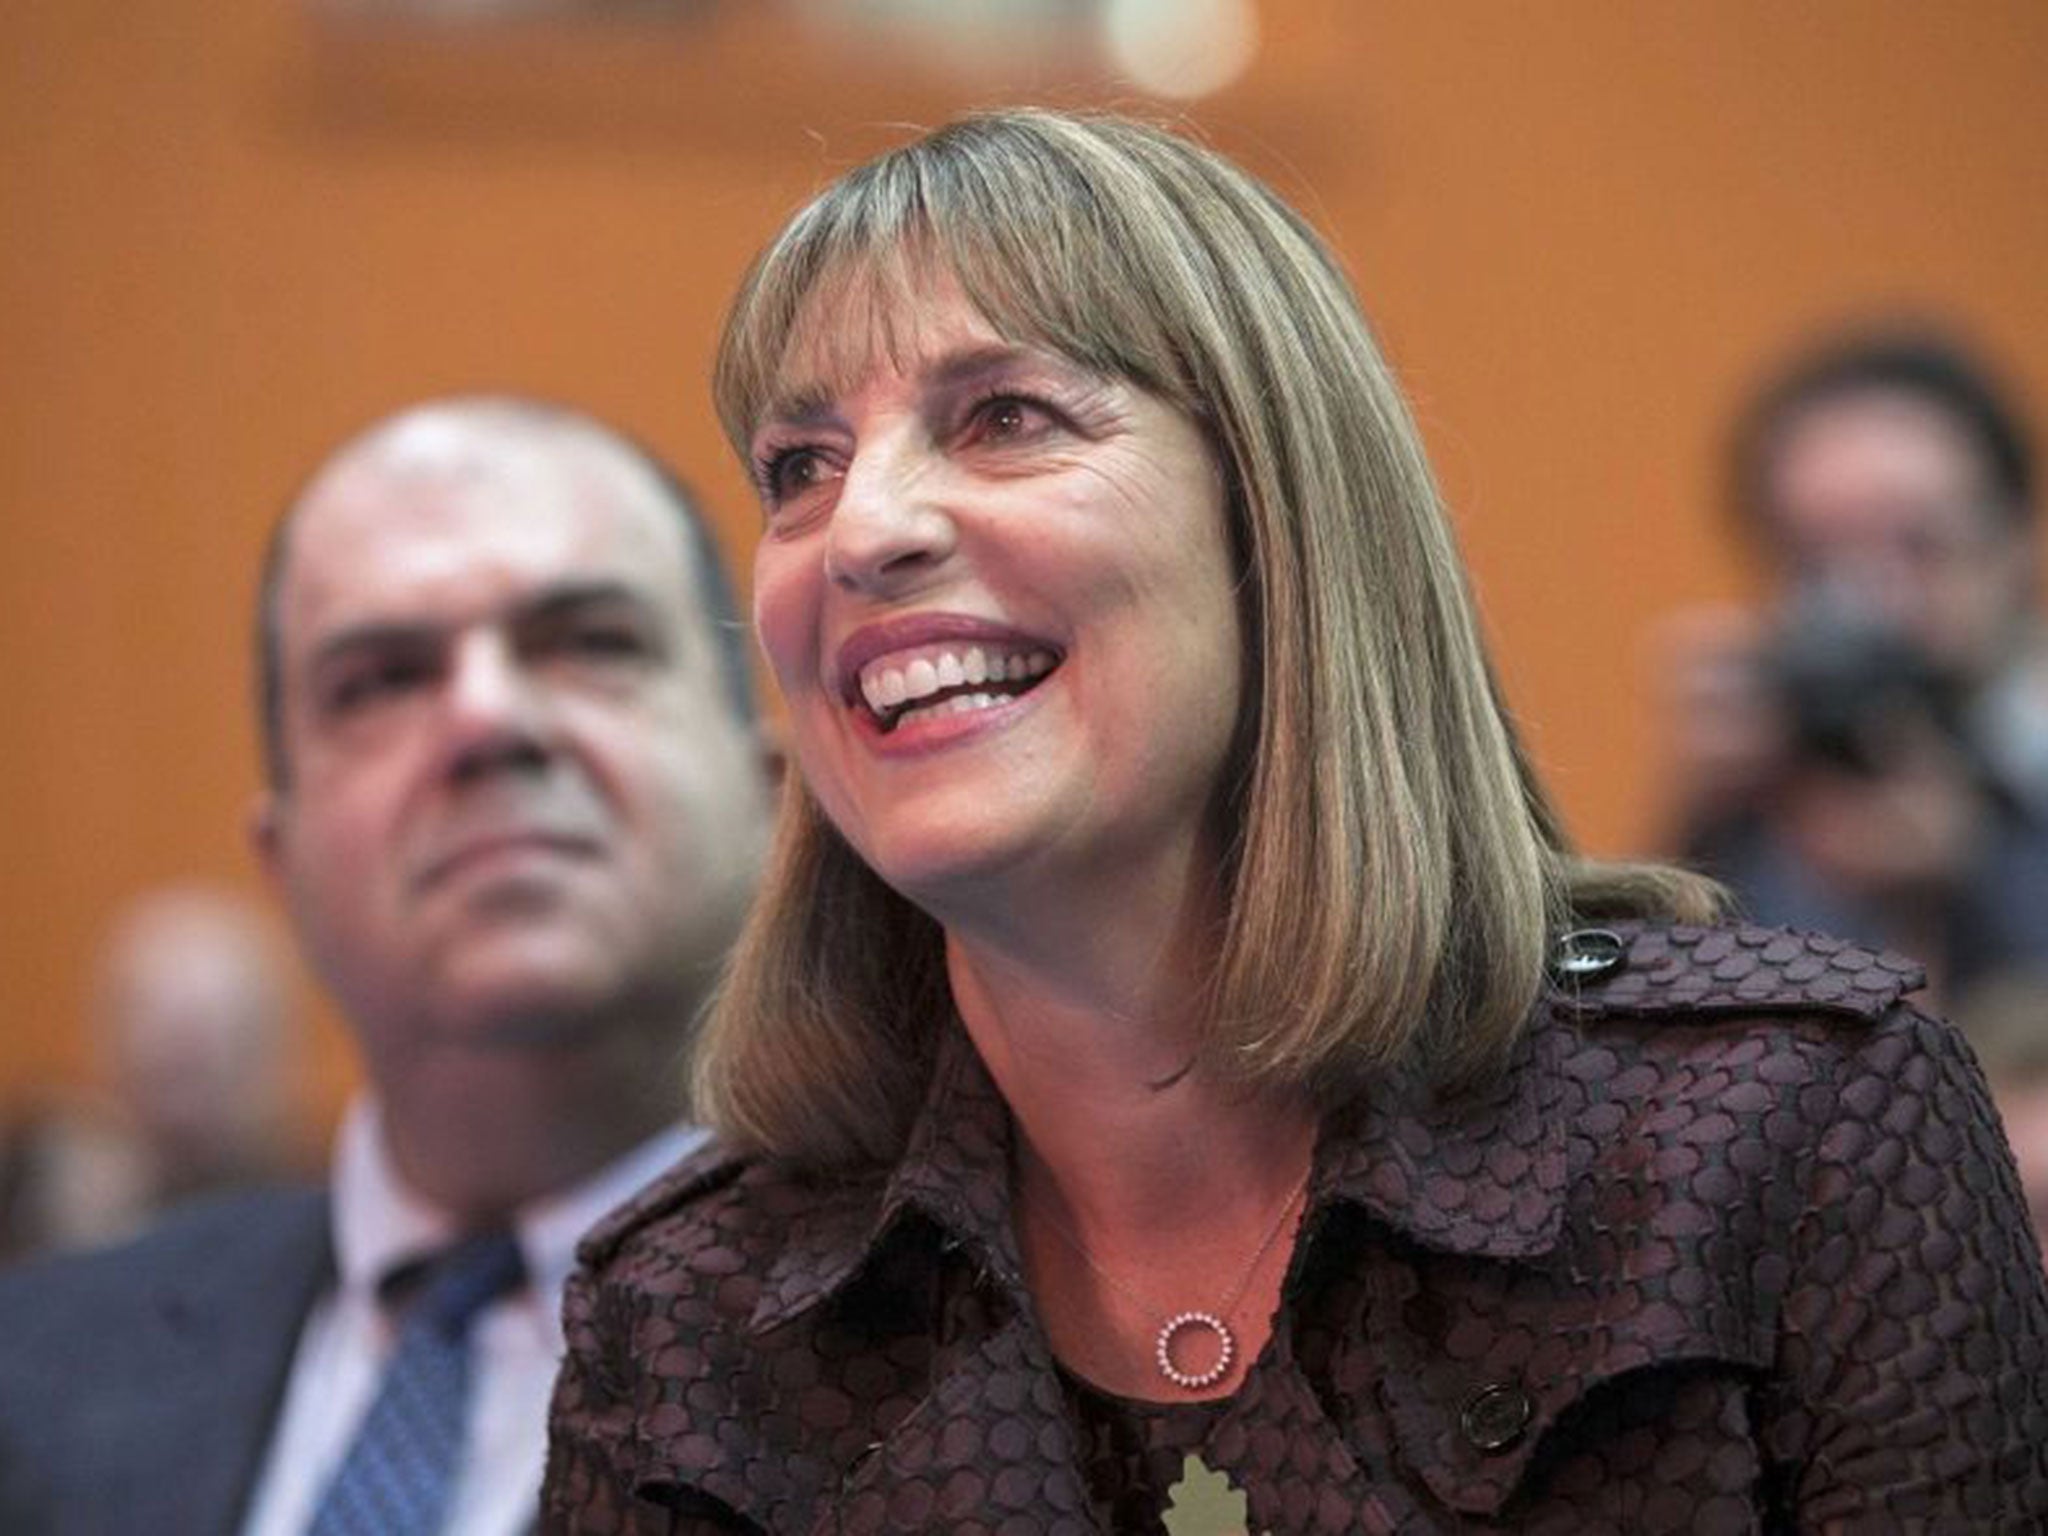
x=996, y=591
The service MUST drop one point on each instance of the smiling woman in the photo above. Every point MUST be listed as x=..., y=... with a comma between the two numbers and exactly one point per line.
x=1175, y=1047
x=967, y=499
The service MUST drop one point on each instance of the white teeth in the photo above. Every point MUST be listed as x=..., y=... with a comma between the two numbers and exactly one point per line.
x=895, y=690
x=959, y=704
x=883, y=690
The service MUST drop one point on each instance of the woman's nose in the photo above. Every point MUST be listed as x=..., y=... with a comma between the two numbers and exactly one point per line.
x=891, y=527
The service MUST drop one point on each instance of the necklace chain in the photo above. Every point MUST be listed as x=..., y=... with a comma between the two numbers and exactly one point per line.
x=1216, y=1322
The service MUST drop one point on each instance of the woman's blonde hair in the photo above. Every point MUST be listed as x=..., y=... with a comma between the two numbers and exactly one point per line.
x=1392, y=873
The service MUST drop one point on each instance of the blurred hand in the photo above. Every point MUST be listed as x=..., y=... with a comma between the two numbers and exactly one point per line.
x=1914, y=827
x=1726, y=733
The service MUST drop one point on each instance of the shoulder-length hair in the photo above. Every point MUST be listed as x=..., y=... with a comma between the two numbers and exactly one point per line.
x=1392, y=872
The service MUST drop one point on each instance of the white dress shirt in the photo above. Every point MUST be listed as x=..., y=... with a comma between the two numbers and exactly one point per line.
x=516, y=1343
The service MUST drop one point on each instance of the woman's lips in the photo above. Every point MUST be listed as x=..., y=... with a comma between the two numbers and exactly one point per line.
x=939, y=665
x=940, y=724
x=949, y=678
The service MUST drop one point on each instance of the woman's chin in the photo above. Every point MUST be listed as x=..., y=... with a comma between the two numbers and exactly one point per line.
x=949, y=874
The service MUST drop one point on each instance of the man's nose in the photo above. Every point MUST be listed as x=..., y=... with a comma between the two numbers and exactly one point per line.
x=892, y=526
x=495, y=709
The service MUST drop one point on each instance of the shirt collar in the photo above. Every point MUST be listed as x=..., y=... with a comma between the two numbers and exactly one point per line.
x=380, y=1222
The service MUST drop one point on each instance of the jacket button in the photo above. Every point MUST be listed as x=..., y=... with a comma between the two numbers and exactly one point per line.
x=1587, y=954
x=1495, y=1416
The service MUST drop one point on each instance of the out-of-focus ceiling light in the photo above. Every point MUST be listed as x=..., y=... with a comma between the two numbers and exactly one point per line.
x=980, y=36
x=1180, y=48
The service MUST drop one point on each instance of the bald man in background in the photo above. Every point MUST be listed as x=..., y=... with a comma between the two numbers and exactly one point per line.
x=514, y=808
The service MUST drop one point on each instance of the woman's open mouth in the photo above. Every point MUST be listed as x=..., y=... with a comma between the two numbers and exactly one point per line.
x=950, y=678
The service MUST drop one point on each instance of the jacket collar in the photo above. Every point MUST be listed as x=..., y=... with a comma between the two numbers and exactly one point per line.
x=1477, y=1171
x=955, y=1173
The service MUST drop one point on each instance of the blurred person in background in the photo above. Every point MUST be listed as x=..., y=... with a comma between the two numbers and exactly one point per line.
x=514, y=805
x=202, y=1054
x=68, y=1177
x=203, y=1044
x=1869, y=755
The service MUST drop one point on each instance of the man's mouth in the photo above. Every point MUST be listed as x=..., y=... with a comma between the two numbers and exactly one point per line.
x=478, y=854
x=950, y=678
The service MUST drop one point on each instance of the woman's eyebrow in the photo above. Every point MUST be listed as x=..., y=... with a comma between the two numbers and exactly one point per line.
x=811, y=406
x=975, y=363
x=816, y=404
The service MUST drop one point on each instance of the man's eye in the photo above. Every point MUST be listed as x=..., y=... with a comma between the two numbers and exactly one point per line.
x=605, y=640
x=372, y=682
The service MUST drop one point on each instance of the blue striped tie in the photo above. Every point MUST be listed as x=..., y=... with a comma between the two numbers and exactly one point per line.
x=397, y=1476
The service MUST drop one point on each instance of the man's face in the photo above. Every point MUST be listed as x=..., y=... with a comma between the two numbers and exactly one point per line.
x=1881, y=498
x=519, y=806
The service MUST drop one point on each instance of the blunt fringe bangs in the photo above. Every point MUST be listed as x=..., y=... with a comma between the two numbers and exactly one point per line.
x=1393, y=873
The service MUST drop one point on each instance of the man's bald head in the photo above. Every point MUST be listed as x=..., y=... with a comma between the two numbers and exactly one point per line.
x=463, y=434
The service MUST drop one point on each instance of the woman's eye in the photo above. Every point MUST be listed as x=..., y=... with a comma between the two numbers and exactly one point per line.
x=1007, y=418
x=790, y=473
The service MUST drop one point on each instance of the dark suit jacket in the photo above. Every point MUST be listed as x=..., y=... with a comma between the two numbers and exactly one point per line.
x=139, y=1383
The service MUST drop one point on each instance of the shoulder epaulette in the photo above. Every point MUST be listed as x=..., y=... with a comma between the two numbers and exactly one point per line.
x=1649, y=970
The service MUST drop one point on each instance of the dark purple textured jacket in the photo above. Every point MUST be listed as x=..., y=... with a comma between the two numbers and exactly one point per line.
x=1735, y=1245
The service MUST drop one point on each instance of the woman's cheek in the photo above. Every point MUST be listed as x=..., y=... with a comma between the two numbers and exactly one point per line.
x=788, y=591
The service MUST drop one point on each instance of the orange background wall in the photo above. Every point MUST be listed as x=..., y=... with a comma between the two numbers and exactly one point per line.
x=229, y=239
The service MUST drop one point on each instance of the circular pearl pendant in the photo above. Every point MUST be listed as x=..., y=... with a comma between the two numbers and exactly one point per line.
x=1200, y=1322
